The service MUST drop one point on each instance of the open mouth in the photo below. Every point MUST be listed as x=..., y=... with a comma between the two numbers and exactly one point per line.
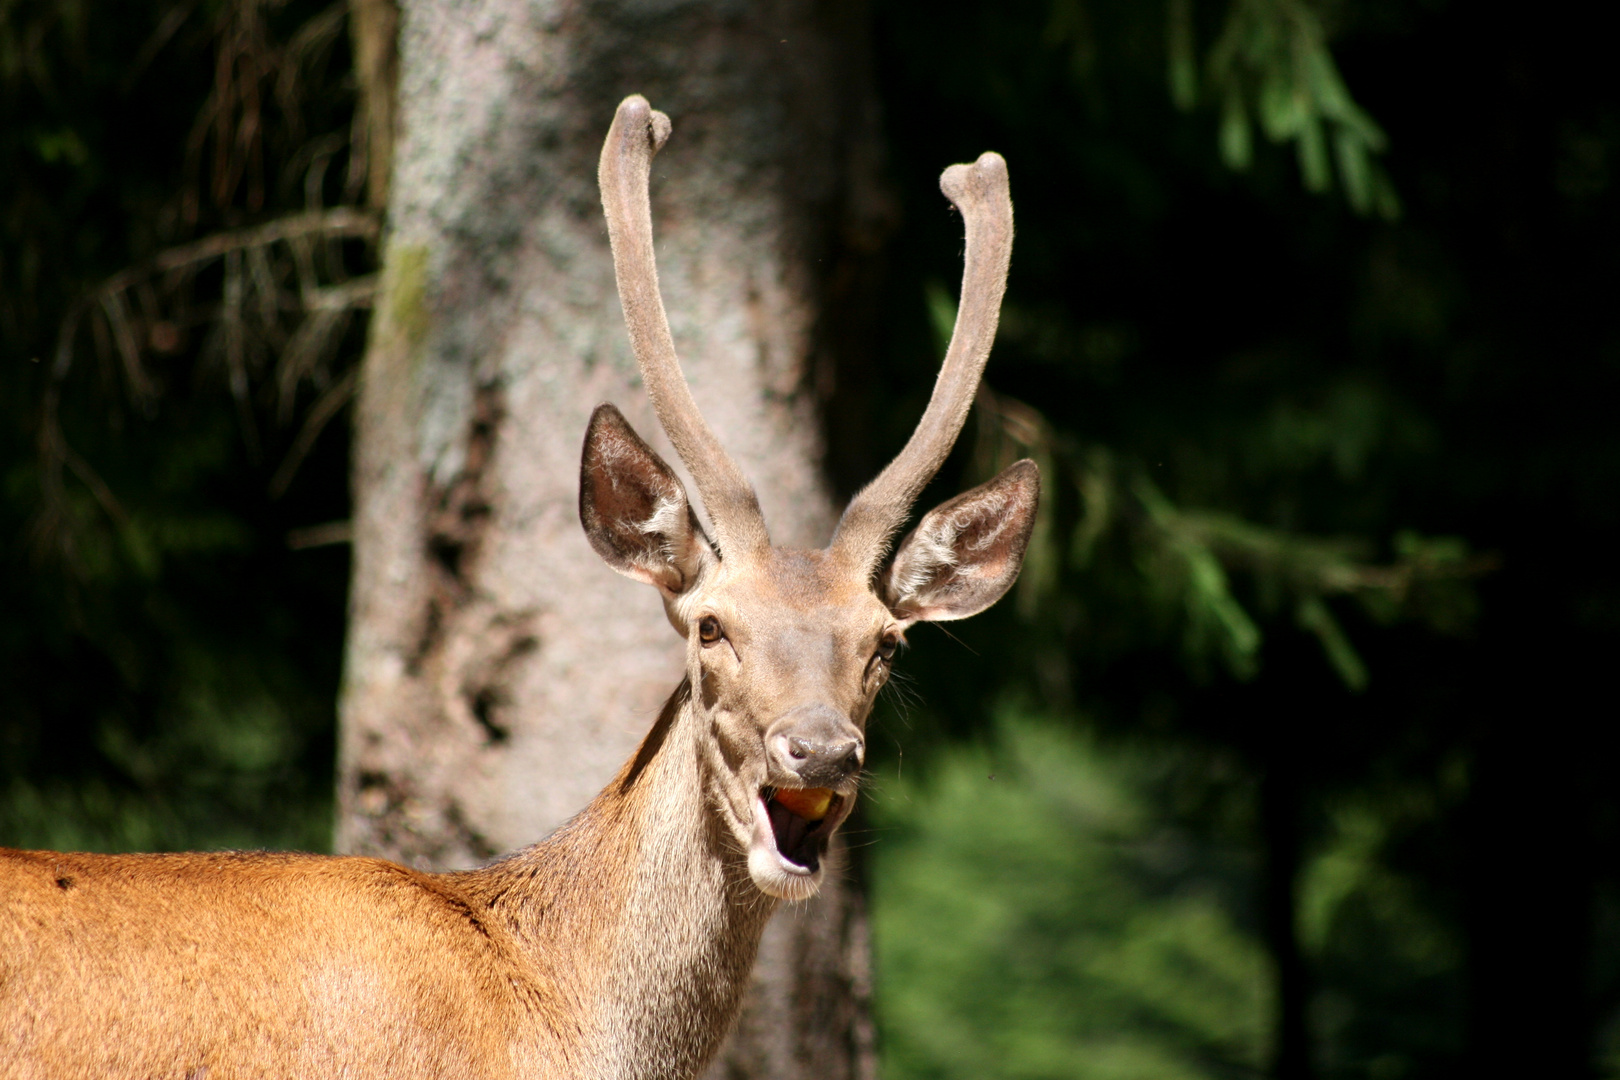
x=802, y=822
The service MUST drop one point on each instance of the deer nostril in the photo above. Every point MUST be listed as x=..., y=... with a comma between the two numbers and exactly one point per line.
x=818, y=754
x=847, y=755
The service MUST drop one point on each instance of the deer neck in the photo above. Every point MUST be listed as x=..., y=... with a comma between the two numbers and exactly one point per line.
x=639, y=911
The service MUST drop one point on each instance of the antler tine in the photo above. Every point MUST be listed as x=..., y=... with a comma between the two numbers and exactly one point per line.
x=980, y=192
x=639, y=132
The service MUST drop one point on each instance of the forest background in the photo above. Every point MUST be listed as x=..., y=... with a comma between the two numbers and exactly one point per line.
x=1288, y=756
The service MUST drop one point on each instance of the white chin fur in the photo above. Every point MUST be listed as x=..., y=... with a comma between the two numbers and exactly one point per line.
x=774, y=875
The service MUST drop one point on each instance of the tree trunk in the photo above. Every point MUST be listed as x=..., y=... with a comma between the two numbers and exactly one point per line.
x=497, y=672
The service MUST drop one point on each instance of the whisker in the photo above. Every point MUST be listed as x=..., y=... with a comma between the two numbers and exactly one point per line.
x=956, y=639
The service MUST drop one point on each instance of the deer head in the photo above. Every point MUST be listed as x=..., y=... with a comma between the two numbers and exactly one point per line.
x=786, y=649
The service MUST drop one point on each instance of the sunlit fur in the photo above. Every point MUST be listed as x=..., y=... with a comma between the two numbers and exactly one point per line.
x=618, y=947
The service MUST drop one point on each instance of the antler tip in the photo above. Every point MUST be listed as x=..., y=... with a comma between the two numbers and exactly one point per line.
x=636, y=114
x=985, y=178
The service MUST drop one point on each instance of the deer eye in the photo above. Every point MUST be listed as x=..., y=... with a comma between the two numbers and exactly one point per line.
x=887, y=644
x=709, y=630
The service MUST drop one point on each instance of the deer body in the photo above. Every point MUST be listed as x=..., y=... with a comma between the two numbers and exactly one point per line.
x=344, y=947
x=619, y=947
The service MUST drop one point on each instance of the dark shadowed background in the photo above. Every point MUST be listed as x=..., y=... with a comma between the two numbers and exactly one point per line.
x=1291, y=754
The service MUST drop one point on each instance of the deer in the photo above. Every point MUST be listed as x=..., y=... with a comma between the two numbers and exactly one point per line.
x=619, y=946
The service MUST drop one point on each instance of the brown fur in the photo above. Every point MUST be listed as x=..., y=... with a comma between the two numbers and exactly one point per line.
x=256, y=964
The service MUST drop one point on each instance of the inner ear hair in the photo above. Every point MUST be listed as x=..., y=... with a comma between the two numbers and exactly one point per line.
x=966, y=553
x=634, y=508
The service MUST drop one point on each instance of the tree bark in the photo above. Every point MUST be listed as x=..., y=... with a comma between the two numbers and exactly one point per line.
x=496, y=671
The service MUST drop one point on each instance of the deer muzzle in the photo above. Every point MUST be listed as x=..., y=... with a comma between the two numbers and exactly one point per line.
x=815, y=746
x=814, y=753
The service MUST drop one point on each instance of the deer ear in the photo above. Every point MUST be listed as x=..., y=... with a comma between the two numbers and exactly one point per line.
x=634, y=508
x=966, y=553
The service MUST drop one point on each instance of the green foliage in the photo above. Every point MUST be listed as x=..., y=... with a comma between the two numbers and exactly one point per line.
x=1268, y=64
x=1357, y=902
x=1326, y=489
x=163, y=688
x=1050, y=904
x=170, y=664
x=1184, y=557
x=224, y=765
x=1039, y=913
x=1271, y=62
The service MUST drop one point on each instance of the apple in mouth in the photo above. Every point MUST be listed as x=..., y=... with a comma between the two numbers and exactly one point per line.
x=802, y=821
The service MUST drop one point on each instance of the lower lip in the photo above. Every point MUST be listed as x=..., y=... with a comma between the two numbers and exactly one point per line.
x=770, y=838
